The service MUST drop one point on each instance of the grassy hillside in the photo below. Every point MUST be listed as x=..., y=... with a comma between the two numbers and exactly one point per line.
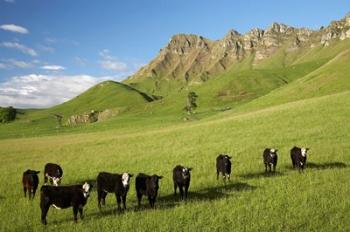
x=317, y=200
x=118, y=97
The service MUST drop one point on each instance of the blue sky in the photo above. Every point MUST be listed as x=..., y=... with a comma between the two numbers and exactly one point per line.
x=59, y=48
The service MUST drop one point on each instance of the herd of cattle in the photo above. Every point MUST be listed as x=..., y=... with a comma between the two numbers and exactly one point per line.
x=76, y=195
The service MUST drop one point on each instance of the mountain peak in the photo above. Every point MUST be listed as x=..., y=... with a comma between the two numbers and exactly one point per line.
x=278, y=28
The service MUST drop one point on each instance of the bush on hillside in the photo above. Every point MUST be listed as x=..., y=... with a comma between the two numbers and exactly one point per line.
x=7, y=114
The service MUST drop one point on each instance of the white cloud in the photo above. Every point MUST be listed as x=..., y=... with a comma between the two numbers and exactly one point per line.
x=9, y=1
x=114, y=65
x=45, y=48
x=20, y=47
x=14, y=28
x=38, y=91
x=13, y=63
x=53, y=67
x=20, y=63
x=111, y=63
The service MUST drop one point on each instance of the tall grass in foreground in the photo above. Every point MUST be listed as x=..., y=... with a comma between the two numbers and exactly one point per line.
x=317, y=200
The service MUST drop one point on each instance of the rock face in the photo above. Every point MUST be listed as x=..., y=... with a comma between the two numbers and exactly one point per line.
x=83, y=118
x=191, y=59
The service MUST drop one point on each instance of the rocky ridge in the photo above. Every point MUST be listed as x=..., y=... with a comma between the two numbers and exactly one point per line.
x=192, y=59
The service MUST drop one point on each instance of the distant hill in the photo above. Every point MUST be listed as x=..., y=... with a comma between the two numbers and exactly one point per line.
x=105, y=95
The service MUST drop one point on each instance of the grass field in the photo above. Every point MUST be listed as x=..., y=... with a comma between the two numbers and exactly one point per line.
x=317, y=200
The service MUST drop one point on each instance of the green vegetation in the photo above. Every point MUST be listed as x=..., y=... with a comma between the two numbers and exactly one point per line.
x=314, y=201
x=7, y=114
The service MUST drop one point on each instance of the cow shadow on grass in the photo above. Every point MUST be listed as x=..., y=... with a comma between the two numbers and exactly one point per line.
x=207, y=194
x=321, y=166
x=170, y=201
x=326, y=165
x=255, y=175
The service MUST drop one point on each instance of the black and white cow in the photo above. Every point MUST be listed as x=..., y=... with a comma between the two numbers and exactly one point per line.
x=181, y=178
x=223, y=165
x=299, y=156
x=113, y=183
x=148, y=186
x=53, y=172
x=62, y=197
x=30, y=182
x=270, y=158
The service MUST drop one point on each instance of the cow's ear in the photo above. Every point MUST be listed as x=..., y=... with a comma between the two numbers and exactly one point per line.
x=37, y=172
x=307, y=149
x=160, y=177
x=276, y=150
x=131, y=175
x=229, y=157
x=189, y=169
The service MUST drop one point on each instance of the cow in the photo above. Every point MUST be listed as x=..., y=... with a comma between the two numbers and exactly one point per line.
x=299, y=156
x=223, y=165
x=112, y=183
x=148, y=186
x=270, y=158
x=53, y=172
x=62, y=197
x=30, y=182
x=181, y=178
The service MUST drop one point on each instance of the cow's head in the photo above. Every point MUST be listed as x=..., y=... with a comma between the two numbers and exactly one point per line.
x=226, y=159
x=86, y=189
x=32, y=172
x=273, y=152
x=56, y=181
x=186, y=172
x=126, y=179
x=154, y=181
x=304, y=151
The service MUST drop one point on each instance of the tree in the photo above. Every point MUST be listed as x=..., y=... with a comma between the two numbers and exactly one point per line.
x=191, y=102
x=58, y=120
x=7, y=114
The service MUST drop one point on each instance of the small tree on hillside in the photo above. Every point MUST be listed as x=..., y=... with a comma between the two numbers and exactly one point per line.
x=58, y=120
x=191, y=102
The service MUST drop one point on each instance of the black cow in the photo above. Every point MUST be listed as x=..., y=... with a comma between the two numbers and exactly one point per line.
x=62, y=197
x=53, y=172
x=112, y=183
x=270, y=158
x=223, y=165
x=299, y=156
x=148, y=186
x=30, y=182
x=181, y=178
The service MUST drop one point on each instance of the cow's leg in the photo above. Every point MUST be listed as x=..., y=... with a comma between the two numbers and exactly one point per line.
x=265, y=167
x=151, y=201
x=99, y=199
x=274, y=167
x=139, y=198
x=124, y=201
x=34, y=191
x=30, y=193
x=270, y=167
x=175, y=187
x=104, y=195
x=25, y=191
x=75, y=213
x=217, y=174
x=186, y=190
x=44, y=205
x=119, y=200
x=81, y=212
x=181, y=191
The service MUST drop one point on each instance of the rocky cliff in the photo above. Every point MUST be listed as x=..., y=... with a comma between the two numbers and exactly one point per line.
x=192, y=59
